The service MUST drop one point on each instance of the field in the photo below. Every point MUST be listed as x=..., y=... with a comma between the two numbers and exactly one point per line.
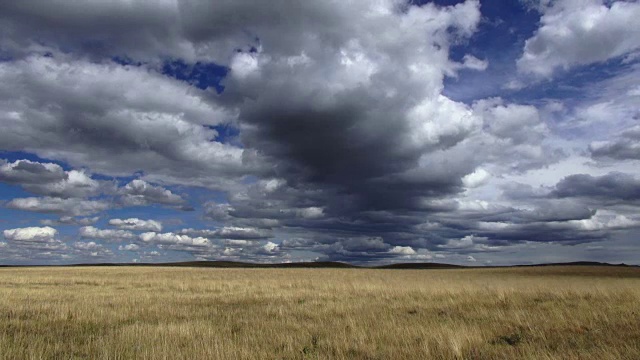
x=559, y=312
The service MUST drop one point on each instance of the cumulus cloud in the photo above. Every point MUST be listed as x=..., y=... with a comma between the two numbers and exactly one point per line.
x=173, y=239
x=136, y=224
x=35, y=234
x=91, y=250
x=402, y=250
x=114, y=119
x=90, y=232
x=34, y=241
x=141, y=193
x=579, y=32
x=48, y=179
x=52, y=205
x=230, y=232
x=129, y=247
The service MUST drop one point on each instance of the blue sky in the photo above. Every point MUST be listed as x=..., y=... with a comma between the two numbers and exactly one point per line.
x=466, y=132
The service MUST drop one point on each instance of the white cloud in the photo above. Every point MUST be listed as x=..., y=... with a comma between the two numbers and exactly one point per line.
x=313, y=212
x=34, y=241
x=73, y=206
x=473, y=63
x=90, y=232
x=129, y=247
x=477, y=178
x=36, y=234
x=136, y=224
x=174, y=239
x=70, y=220
x=91, y=249
x=229, y=232
x=579, y=32
x=140, y=193
x=270, y=247
x=604, y=219
x=402, y=250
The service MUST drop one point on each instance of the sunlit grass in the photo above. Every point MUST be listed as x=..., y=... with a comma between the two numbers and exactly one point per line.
x=183, y=313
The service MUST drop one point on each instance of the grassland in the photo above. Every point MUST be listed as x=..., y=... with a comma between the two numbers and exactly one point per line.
x=189, y=313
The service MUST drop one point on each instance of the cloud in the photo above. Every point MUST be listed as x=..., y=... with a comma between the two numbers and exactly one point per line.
x=402, y=250
x=90, y=232
x=136, y=224
x=69, y=220
x=35, y=234
x=624, y=147
x=573, y=33
x=476, y=178
x=173, y=239
x=141, y=193
x=230, y=232
x=129, y=247
x=115, y=120
x=48, y=179
x=51, y=205
x=91, y=250
x=33, y=241
x=473, y=63
x=612, y=186
x=349, y=145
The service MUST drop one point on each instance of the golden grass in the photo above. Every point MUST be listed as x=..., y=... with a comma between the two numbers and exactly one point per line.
x=190, y=313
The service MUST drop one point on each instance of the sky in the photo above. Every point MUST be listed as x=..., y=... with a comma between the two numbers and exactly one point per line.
x=363, y=131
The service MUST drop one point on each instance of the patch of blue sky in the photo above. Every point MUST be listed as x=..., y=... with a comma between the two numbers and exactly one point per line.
x=200, y=75
x=500, y=38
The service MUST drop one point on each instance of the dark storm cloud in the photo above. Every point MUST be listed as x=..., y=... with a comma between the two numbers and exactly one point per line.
x=613, y=186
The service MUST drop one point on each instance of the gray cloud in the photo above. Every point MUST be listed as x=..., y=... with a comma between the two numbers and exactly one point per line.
x=70, y=220
x=141, y=193
x=49, y=179
x=613, y=186
x=115, y=120
x=624, y=147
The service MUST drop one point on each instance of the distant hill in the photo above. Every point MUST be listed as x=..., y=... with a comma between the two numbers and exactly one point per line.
x=578, y=263
x=237, y=264
x=333, y=264
x=424, y=265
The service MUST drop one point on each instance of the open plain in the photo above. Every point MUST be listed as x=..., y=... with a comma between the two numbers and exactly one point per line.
x=554, y=312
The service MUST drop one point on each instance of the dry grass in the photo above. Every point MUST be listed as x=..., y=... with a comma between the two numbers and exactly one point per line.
x=180, y=313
